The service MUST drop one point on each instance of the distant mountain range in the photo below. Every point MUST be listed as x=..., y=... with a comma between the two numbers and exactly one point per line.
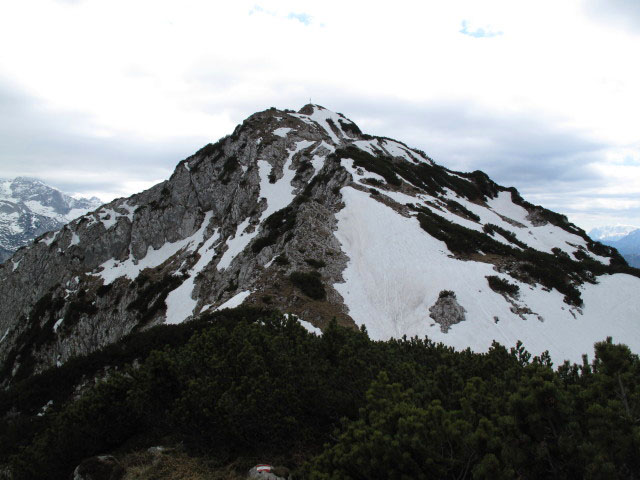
x=29, y=208
x=625, y=238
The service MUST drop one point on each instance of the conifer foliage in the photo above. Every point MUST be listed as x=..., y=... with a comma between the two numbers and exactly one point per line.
x=249, y=383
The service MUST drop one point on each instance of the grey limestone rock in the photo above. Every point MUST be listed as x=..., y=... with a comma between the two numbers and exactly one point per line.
x=447, y=311
x=185, y=245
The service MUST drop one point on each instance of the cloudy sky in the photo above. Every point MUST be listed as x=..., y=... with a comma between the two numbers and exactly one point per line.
x=104, y=97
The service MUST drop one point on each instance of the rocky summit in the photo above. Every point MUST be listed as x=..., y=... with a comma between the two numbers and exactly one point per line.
x=302, y=212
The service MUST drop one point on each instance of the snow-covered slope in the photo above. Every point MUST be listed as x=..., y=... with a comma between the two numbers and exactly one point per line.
x=303, y=212
x=29, y=208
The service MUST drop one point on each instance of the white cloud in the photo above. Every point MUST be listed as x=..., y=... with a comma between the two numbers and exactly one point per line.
x=182, y=73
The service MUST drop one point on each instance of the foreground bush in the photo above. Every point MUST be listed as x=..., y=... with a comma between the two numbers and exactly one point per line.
x=343, y=406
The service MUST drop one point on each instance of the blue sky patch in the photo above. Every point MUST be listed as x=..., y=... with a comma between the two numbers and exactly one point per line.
x=478, y=32
x=301, y=17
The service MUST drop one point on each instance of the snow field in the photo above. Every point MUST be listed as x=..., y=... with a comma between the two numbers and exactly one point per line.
x=396, y=272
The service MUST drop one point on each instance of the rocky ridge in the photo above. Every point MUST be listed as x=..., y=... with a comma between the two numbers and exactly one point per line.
x=303, y=212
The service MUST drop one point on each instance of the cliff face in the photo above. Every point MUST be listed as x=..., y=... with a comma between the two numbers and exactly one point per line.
x=303, y=212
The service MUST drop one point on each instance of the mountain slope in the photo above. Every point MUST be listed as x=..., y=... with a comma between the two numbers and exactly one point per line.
x=303, y=212
x=29, y=208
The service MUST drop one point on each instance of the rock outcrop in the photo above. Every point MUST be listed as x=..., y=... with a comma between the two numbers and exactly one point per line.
x=447, y=311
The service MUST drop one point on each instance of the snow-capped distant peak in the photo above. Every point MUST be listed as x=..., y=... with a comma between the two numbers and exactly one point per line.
x=31, y=208
x=612, y=232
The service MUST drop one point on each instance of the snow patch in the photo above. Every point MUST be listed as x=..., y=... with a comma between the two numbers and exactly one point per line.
x=235, y=301
x=359, y=174
x=236, y=244
x=368, y=146
x=279, y=194
x=108, y=217
x=50, y=238
x=397, y=150
x=309, y=327
x=320, y=117
x=75, y=239
x=180, y=302
x=282, y=131
x=131, y=268
x=57, y=324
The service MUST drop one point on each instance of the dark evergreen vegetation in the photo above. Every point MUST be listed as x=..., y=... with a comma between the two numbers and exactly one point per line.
x=309, y=283
x=376, y=164
x=314, y=263
x=501, y=285
x=249, y=383
x=276, y=224
x=229, y=166
x=552, y=271
x=459, y=209
x=151, y=295
x=490, y=228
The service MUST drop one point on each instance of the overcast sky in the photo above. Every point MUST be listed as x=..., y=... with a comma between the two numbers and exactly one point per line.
x=104, y=97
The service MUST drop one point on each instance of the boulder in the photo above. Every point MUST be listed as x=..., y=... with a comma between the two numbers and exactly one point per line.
x=103, y=467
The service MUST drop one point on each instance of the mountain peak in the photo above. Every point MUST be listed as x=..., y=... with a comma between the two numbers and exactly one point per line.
x=303, y=212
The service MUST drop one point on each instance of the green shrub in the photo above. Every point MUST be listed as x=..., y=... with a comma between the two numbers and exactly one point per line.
x=309, y=283
x=459, y=209
x=282, y=260
x=501, y=285
x=381, y=165
x=208, y=150
x=276, y=225
x=251, y=384
x=312, y=262
x=509, y=236
x=230, y=165
x=151, y=298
